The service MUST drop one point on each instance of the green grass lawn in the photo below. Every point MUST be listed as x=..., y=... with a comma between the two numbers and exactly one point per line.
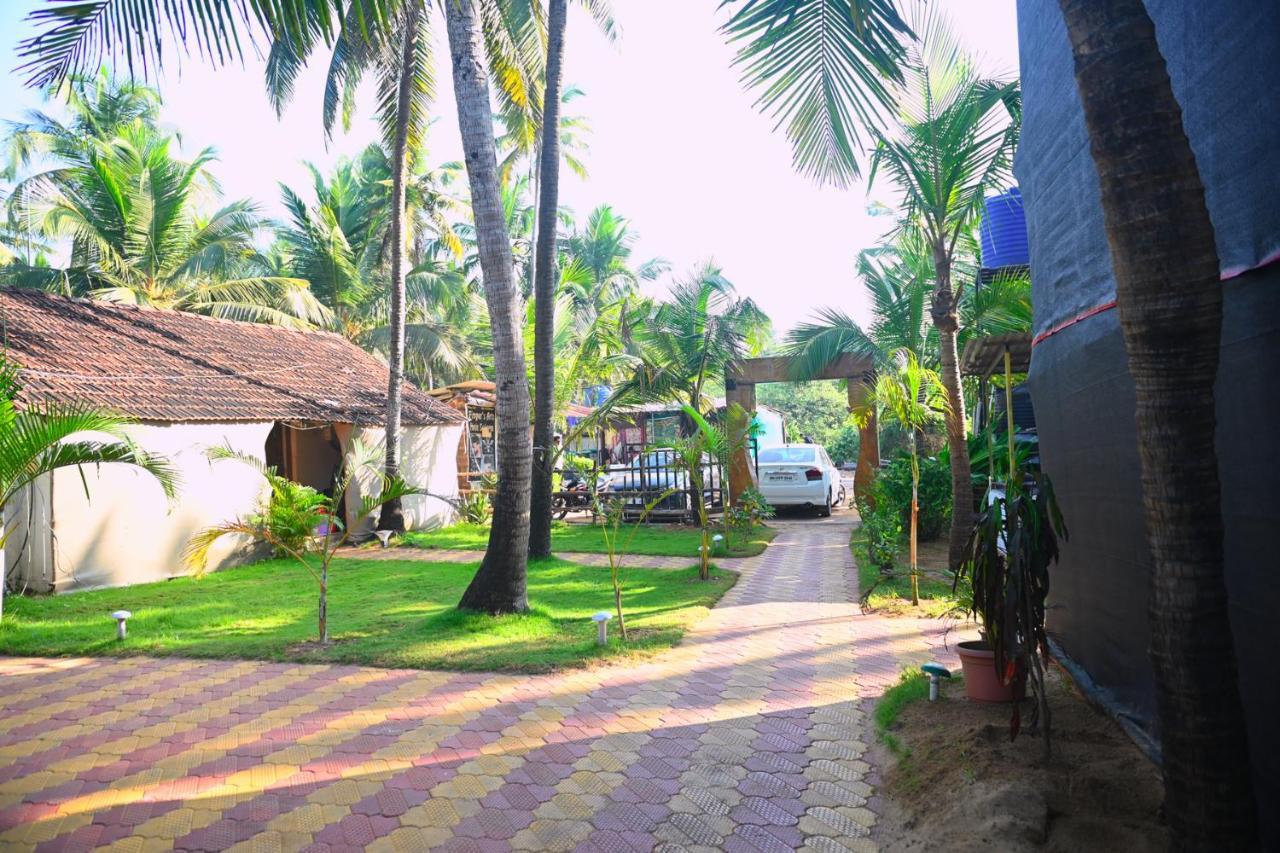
x=395, y=613
x=892, y=595
x=655, y=540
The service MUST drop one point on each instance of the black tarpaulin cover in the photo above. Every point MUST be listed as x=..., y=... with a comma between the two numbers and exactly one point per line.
x=1224, y=62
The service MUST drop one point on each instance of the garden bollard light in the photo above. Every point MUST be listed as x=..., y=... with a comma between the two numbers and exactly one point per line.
x=602, y=627
x=384, y=536
x=121, y=616
x=935, y=671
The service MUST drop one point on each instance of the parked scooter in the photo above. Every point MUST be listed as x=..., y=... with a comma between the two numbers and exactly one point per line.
x=575, y=493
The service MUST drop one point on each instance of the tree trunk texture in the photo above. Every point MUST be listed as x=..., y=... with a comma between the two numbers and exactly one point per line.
x=391, y=516
x=544, y=364
x=1169, y=298
x=947, y=321
x=499, y=585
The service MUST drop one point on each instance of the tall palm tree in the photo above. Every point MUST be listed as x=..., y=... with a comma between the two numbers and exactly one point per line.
x=40, y=438
x=702, y=331
x=601, y=253
x=405, y=69
x=954, y=142
x=1169, y=297
x=500, y=584
x=910, y=395
x=544, y=290
x=128, y=207
x=98, y=107
x=339, y=245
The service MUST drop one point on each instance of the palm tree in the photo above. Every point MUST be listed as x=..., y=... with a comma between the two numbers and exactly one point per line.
x=360, y=461
x=405, y=70
x=544, y=364
x=910, y=395
x=128, y=207
x=1169, y=297
x=600, y=253
x=700, y=333
x=40, y=438
x=98, y=108
x=954, y=141
x=500, y=584
x=72, y=38
x=824, y=68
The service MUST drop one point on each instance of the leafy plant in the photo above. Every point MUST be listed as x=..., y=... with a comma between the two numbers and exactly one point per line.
x=290, y=513
x=893, y=488
x=360, y=461
x=723, y=444
x=611, y=516
x=474, y=507
x=1008, y=556
x=912, y=396
x=750, y=509
x=40, y=438
x=883, y=526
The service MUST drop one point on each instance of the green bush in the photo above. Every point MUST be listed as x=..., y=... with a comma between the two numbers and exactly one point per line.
x=291, y=514
x=755, y=507
x=893, y=488
x=844, y=447
x=884, y=529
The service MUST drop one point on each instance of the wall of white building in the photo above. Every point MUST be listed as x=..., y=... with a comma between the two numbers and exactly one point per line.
x=428, y=461
x=112, y=525
x=115, y=526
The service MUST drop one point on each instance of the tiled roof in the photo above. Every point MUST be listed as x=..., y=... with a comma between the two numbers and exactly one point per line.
x=177, y=367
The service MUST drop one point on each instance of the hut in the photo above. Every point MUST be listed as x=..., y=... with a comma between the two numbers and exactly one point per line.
x=293, y=399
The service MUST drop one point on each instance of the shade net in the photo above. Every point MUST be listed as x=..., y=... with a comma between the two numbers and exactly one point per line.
x=1222, y=58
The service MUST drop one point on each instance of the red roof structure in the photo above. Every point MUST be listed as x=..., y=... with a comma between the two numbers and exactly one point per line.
x=172, y=366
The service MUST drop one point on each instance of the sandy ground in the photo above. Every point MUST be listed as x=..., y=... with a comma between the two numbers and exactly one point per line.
x=964, y=786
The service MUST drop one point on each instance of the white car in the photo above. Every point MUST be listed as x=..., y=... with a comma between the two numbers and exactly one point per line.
x=799, y=475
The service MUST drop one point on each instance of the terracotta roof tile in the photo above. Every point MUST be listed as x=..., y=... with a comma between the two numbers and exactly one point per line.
x=177, y=367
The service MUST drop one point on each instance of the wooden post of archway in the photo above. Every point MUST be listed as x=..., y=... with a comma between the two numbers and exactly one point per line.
x=868, y=437
x=740, y=387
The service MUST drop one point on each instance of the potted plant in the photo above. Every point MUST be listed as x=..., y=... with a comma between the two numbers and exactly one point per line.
x=1009, y=554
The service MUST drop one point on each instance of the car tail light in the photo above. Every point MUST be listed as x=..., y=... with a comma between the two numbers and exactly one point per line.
x=813, y=474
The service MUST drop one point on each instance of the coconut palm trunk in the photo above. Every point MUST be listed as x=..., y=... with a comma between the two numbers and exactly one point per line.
x=392, y=515
x=1169, y=298
x=499, y=585
x=544, y=365
x=946, y=319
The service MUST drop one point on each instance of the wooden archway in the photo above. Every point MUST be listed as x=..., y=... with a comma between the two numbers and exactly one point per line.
x=740, y=383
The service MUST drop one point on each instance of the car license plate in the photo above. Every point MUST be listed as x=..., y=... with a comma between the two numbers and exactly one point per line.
x=779, y=477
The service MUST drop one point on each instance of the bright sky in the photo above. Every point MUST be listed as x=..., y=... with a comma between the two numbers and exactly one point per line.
x=676, y=146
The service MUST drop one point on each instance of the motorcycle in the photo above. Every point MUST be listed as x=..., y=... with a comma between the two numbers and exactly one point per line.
x=575, y=494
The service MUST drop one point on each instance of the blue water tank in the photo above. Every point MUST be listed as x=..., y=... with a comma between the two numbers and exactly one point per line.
x=595, y=395
x=1003, y=231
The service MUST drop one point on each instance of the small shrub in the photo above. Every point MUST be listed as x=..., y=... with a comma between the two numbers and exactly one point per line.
x=883, y=527
x=751, y=509
x=290, y=514
x=474, y=508
x=893, y=489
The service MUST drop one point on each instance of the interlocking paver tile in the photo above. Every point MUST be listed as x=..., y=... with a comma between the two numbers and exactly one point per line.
x=748, y=736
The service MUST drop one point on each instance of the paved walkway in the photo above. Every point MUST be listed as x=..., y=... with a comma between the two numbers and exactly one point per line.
x=749, y=736
x=450, y=555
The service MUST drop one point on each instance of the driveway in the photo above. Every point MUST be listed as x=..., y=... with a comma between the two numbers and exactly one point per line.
x=748, y=736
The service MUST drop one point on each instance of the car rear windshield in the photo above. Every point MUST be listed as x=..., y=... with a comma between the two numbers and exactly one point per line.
x=787, y=454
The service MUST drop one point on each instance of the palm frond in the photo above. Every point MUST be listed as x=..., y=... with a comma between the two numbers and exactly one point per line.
x=824, y=69
x=76, y=35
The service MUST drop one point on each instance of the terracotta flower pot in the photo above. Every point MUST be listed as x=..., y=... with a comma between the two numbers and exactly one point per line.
x=981, y=683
